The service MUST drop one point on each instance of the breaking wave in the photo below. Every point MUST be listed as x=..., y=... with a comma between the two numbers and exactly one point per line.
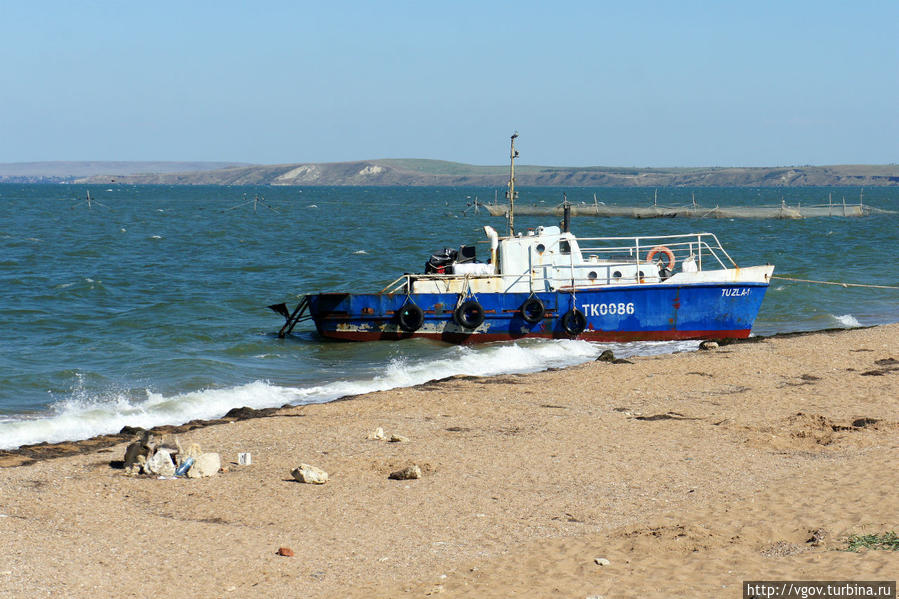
x=82, y=414
x=848, y=321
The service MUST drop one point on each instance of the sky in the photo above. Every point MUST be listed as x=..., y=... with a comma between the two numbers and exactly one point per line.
x=584, y=83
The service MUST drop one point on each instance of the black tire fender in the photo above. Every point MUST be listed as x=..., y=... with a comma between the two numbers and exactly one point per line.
x=410, y=317
x=469, y=314
x=574, y=322
x=532, y=310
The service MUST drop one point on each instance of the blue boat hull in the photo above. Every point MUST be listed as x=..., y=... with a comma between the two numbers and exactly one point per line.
x=613, y=314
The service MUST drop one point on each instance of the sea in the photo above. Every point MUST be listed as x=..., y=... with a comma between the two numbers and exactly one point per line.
x=147, y=305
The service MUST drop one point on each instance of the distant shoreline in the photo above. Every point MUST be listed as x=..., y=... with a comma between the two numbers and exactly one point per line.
x=415, y=173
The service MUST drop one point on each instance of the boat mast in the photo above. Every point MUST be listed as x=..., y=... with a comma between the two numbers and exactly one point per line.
x=512, y=194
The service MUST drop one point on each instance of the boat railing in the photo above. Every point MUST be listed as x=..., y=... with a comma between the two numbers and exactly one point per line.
x=404, y=283
x=605, y=252
x=701, y=247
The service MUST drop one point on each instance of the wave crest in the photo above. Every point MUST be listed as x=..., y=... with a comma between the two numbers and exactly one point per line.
x=83, y=415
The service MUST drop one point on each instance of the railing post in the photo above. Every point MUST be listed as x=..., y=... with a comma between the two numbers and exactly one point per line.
x=531, y=268
x=699, y=250
x=637, y=258
x=571, y=262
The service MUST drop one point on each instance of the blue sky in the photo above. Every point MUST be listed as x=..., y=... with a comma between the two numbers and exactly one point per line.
x=636, y=83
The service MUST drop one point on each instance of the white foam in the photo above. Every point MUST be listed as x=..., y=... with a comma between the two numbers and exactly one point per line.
x=81, y=415
x=848, y=320
x=360, y=252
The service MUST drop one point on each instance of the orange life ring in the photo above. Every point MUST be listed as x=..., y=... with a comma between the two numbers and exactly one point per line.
x=663, y=250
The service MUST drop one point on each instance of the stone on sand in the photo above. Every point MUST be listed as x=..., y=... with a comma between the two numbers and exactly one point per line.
x=206, y=464
x=606, y=356
x=134, y=452
x=160, y=463
x=408, y=473
x=306, y=473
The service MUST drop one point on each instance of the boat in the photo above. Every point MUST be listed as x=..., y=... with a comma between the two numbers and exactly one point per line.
x=548, y=283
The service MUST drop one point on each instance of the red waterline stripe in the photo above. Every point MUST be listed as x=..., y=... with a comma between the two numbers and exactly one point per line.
x=602, y=336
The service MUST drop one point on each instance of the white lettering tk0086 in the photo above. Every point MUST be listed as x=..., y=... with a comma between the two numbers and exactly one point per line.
x=611, y=309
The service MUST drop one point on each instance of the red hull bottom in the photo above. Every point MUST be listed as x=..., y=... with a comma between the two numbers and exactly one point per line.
x=601, y=336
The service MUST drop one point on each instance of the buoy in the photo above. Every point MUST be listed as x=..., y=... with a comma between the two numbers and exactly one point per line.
x=663, y=250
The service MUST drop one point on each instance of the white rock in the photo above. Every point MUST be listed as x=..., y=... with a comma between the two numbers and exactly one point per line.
x=161, y=463
x=310, y=474
x=708, y=345
x=206, y=464
x=377, y=435
x=398, y=439
x=601, y=561
x=193, y=451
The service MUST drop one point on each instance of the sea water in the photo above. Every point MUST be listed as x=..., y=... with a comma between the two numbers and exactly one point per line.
x=147, y=306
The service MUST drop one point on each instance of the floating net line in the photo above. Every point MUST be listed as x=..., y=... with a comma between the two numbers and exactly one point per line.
x=781, y=211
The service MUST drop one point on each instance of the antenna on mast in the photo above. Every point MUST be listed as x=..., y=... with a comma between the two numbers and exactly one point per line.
x=512, y=194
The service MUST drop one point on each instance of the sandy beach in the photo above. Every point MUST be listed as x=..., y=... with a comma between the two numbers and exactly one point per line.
x=688, y=473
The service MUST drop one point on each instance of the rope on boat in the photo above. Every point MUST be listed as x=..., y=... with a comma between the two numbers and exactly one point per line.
x=836, y=283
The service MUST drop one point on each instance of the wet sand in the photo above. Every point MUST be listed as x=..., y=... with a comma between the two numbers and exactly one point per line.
x=689, y=473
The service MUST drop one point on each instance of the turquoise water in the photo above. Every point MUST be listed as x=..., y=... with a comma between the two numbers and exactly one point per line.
x=149, y=307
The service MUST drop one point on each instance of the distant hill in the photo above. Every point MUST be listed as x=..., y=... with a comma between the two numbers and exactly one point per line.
x=412, y=172
x=26, y=172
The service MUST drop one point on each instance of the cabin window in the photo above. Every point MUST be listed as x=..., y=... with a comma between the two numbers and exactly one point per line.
x=616, y=275
x=541, y=248
x=592, y=275
x=564, y=247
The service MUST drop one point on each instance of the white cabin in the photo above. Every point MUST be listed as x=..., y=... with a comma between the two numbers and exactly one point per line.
x=548, y=259
x=555, y=260
x=545, y=259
